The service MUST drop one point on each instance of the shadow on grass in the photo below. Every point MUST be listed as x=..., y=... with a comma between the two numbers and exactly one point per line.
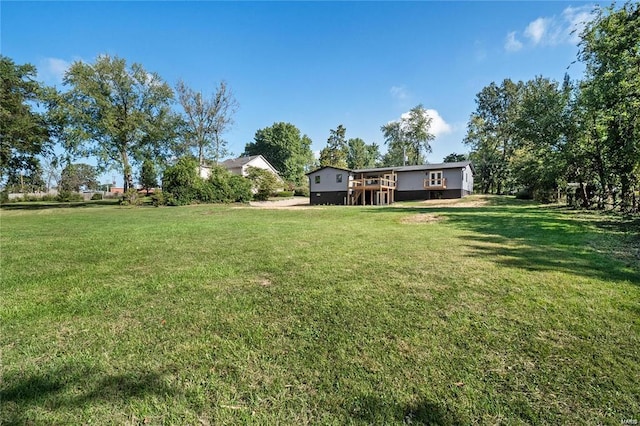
x=375, y=410
x=69, y=387
x=56, y=205
x=547, y=239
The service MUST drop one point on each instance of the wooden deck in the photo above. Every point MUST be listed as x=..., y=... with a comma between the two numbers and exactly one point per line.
x=380, y=190
x=435, y=183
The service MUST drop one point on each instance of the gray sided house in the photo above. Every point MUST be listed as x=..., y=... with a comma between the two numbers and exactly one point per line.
x=385, y=185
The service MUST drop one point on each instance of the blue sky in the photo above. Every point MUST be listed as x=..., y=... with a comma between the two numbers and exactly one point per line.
x=313, y=64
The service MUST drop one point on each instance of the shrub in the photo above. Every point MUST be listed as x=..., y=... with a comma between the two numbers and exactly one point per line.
x=131, y=198
x=302, y=191
x=240, y=188
x=285, y=194
x=524, y=194
x=96, y=196
x=69, y=197
x=179, y=182
x=265, y=183
x=158, y=199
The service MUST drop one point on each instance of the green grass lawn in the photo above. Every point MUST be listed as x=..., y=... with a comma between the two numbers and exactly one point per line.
x=506, y=313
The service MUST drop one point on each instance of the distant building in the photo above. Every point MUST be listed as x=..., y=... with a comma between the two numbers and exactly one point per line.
x=385, y=185
x=240, y=166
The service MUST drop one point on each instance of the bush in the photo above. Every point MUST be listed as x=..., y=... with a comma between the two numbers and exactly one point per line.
x=240, y=189
x=69, y=197
x=158, y=199
x=265, y=183
x=524, y=194
x=179, y=182
x=285, y=194
x=96, y=196
x=302, y=191
x=131, y=198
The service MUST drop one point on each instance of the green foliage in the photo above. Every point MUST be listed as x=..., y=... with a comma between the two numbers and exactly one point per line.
x=69, y=197
x=158, y=199
x=410, y=136
x=360, y=155
x=179, y=182
x=182, y=185
x=285, y=149
x=265, y=183
x=97, y=196
x=285, y=194
x=116, y=113
x=206, y=120
x=148, y=175
x=24, y=133
x=77, y=177
x=335, y=153
x=454, y=158
x=131, y=198
x=302, y=190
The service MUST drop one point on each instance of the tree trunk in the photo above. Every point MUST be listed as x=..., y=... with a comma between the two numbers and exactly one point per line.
x=127, y=174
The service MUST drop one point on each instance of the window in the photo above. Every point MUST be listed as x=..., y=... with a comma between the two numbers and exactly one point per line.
x=339, y=178
x=317, y=179
x=435, y=178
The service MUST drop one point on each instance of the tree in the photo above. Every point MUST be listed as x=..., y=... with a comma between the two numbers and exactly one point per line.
x=116, y=113
x=335, y=153
x=24, y=133
x=491, y=132
x=454, y=158
x=206, y=120
x=265, y=183
x=76, y=177
x=410, y=135
x=285, y=148
x=360, y=155
x=610, y=49
x=148, y=175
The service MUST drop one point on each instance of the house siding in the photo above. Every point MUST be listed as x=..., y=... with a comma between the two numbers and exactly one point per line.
x=331, y=197
x=328, y=180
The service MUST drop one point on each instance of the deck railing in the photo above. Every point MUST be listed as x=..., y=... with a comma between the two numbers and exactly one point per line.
x=372, y=183
x=435, y=183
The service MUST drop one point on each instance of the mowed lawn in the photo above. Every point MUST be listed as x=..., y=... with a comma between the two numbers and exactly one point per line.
x=506, y=312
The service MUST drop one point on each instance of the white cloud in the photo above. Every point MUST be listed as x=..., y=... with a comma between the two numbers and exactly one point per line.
x=553, y=30
x=399, y=93
x=536, y=30
x=52, y=70
x=438, y=126
x=512, y=44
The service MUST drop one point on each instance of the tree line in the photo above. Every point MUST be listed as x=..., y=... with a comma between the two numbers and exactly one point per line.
x=123, y=116
x=580, y=139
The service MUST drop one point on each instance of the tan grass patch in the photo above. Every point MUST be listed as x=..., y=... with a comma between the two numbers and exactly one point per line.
x=420, y=219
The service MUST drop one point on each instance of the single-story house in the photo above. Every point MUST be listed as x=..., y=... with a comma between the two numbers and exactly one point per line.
x=240, y=166
x=385, y=185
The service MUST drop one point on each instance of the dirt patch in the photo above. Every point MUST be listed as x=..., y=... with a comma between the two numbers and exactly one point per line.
x=295, y=203
x=263, y=281
x=421, y=218
x=456, y=202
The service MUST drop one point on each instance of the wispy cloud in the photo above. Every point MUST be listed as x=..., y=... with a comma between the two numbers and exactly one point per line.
x=399, y=93
x=552, y=30
x=52, y=70
x=512, y=44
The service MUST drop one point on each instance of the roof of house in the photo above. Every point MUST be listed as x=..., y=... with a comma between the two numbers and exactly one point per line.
x=233, y=163
x=456, y=165
x=328, y=167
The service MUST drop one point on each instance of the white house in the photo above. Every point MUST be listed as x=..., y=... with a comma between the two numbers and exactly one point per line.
x=240, y=166
x=384, y=185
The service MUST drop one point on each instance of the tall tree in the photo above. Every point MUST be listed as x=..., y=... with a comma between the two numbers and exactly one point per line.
x=360, y=155
x=24, y=133
x=116, y=113
x=78, y=176
x=410, y=134
x=454, y=158
x=285, y=148
x=610, y=49
x=491, y=130
x=148, y=175
x=206, y=120
x=335, y=153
